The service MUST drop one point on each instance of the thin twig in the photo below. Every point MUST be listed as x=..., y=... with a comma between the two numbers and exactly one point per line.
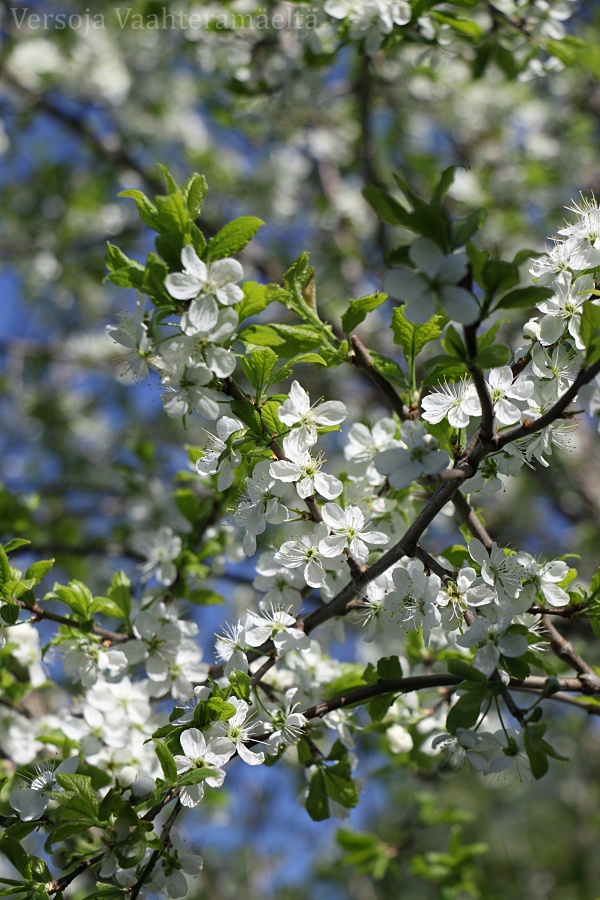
x=41, y=613
x=362, y=360
x=164, y=837
x=485, y=401
x=469, y=517
x=56, y=887
x=552, y=414
x=431, y=682
x=564, y=650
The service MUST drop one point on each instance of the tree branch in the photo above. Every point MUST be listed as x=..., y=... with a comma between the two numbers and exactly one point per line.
x=565, y=651
x=469, y=517
x=164, y=837
x=487, y=407
x=362, y=360
x=41, y=613
x=431, y=682
x=551, y=415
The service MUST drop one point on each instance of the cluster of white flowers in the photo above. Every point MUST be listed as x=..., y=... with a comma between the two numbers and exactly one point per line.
x=189, y=360
x=320, y=528
x=370, y=20
x=547, y=363
x=498, y=593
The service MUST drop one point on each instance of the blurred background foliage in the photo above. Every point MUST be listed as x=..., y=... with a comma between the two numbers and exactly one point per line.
x=288, y=125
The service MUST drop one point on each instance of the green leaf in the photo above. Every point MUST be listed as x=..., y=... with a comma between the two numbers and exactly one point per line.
x=443, y=368
x=457, y=555
x=240, y=682
x=463, y=670
x=465, y=27
x=432, y=222
x=389, y=668
x=195, y=190
x=120, y=593
x=16, y=855
x=124, y=272
x=465, y=712
x=79, y=795
x=107, y=892
x=412, y=338
x=366, y=853
x=38, y=570
x=462, y=230
x=525, y=256
x=359, y=309
x=568, y=49
x=154, y=282
x=256, y=299
x=167, y=762
x=483, y=56
x=378, y=707
x=205, y=597
x=400, y=256
x=170, y=183
x=523, y=298
x=10, y=612
x=286, y=340
x=233, y=237
x=499, y=275
x=387, y=207
x=590, y=332
x=75, y=595
x=478, y=259
x=453, y=345
x=195, y=776
x=497, y=355
x=258, y=368
x=317, y=804
x=146, y=209
x=269, y=417
x=287, y=368
x=506, y=61
x=341, y=790
x=300, y=293
x=413, y=198
x=173, y=217
x=445, y=182
x=16, y=544
x=389, y=368
x=246, y=411
x=487, y=338
x=538, y=759
x=220, y=710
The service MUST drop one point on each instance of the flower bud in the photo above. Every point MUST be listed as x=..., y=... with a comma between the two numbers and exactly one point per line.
x=126, y=777
x=143, y=787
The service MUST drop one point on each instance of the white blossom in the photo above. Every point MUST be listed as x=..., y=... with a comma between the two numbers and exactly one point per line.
x=417, y=454
x=300, y=467
x=198, y=754
x=287, y=724
x=543, y=577
x=278, y=626
x=438, y=277
x=456, y=402
x=233, y=735
x=347, y=532
x=31, y=802
x=215, y=459
x=297, y=412
x=160, y=549
x=206, y=286
x=489, y=635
